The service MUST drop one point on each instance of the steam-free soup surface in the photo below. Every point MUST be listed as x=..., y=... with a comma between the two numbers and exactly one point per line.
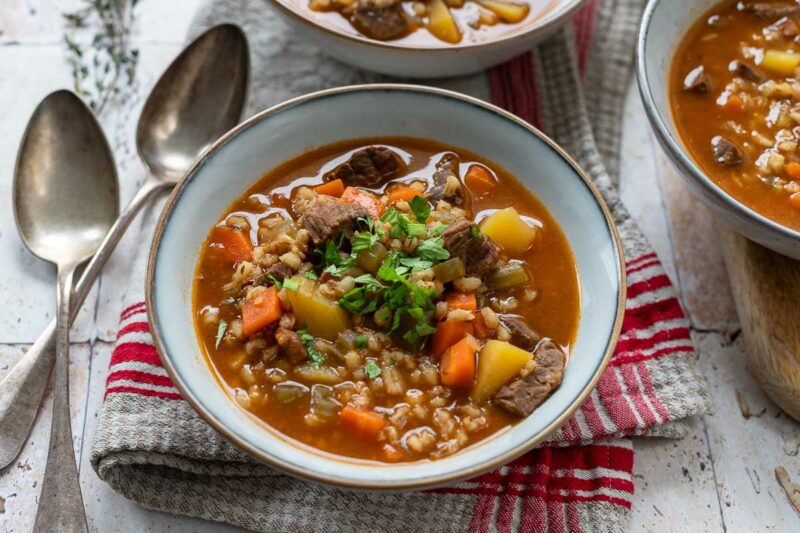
x=387, y=299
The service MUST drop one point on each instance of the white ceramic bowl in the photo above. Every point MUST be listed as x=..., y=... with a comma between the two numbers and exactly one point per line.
x=247, y=152
x=432, y=61
x=664, y=24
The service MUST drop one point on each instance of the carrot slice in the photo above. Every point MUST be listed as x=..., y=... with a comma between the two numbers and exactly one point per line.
x=461, y=300
x=793, y=170
x=734, y=104
x=448, y=333
x=236, y=243
x=402, y=192
x=331, y=188
x=261, y=310
x=372, y=204
x=481, y=330
x=362, y=422
x=795, y=200
x=479, y=180
x=458, y=364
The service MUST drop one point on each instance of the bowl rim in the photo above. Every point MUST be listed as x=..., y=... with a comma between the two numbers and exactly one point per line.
x=674, y=146
x=302, y=471
x=542, y=24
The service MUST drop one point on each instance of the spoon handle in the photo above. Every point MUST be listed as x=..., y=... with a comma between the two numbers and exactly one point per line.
x=22, y=389
x=60, y=503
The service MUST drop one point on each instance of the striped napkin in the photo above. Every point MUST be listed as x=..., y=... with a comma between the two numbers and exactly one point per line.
x=152, y=447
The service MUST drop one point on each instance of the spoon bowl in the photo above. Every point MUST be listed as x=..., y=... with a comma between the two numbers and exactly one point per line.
x=64, y=165
x=198, y=98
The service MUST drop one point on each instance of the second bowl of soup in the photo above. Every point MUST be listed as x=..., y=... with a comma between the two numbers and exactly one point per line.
x=378, y=303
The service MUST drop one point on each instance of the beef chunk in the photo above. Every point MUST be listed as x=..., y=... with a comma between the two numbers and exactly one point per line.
x=771, y=11
x=290, y=344
x=523, y=395
x=447, y=169
x=725, y=152
x=279, y=271
x=381, y=19
x=697, y=80
x=369, y=167
x=745, y=71
x=477, y=251
x=327, y=220
x=521, y=334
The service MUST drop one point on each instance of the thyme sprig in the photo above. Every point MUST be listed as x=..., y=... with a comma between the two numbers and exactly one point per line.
x=105, y=63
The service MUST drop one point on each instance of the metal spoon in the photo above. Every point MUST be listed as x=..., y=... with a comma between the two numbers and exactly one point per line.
x=199, y=97
x=66, y=197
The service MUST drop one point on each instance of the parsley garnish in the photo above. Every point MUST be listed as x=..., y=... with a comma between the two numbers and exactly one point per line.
x=220, y=333
x=432, y=250
x=278, y=283
x=291, y=284
x=372, y=370
x=420, y=208
x=361, y=341
x=315, y=357
x=311, y=275
x=474, y=231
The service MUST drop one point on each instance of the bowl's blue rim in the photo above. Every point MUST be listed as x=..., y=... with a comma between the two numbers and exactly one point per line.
x=300, y=470
x=673, y=146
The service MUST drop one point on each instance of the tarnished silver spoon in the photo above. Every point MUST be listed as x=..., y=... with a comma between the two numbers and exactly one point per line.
x=198, y=98
x=66, y=197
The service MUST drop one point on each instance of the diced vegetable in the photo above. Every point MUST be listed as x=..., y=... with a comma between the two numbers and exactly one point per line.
x=508, y=277
x=288, y=391
x=449, y=270
x=449, y=332
x=362, y=422
x=284, y=227
x=441, y=22
x=461, y=300
x=506, y=228
x=323, y=402
x=480, y=329
x=507, y=11
x=322, y=316
x=457, y=367
x=402, y=192
x=479, y=180
x=236, y=243
x=780, y=62
x=319, y=374
x=331, y=188
x=498, y=362
x=733, y=104
x=346, y=341
x=372, y=258
x=371, y=203
x=261, y=310
x=793, y=170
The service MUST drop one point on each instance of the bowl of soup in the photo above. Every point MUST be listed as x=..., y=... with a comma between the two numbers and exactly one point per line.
x=384, y=304
x=426, y=39
x=719, y=84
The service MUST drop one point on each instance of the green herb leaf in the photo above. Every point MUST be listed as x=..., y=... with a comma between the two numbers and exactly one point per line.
x=415, y=263
x=432, y=250
x=361, y=341
x=315, y=357
x=474, y=231
x=438, y=230
x=372, y=370
x=291, y=284
x=220, y=333
x=420, y=208
x=415, y=230
x=278, y=283
x=311, y=275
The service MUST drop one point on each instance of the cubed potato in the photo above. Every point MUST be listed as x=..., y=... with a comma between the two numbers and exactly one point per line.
x=507, y=11
x=507, y=229
x=498, y=362
x=441, y=22
x=318, y=314
x=780, y=62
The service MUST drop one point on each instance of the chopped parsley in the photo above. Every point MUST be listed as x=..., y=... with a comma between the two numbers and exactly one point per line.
x=432, y=250
x=474, y=231
x=291, y=284
x=420, y=208
x=220, y=333
x=315, y=357
x=278, y=283
x=361, y=341
x=372, y=370
x=311, y=275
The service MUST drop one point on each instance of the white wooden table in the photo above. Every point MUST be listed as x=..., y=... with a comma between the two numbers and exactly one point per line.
x=720, y=477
